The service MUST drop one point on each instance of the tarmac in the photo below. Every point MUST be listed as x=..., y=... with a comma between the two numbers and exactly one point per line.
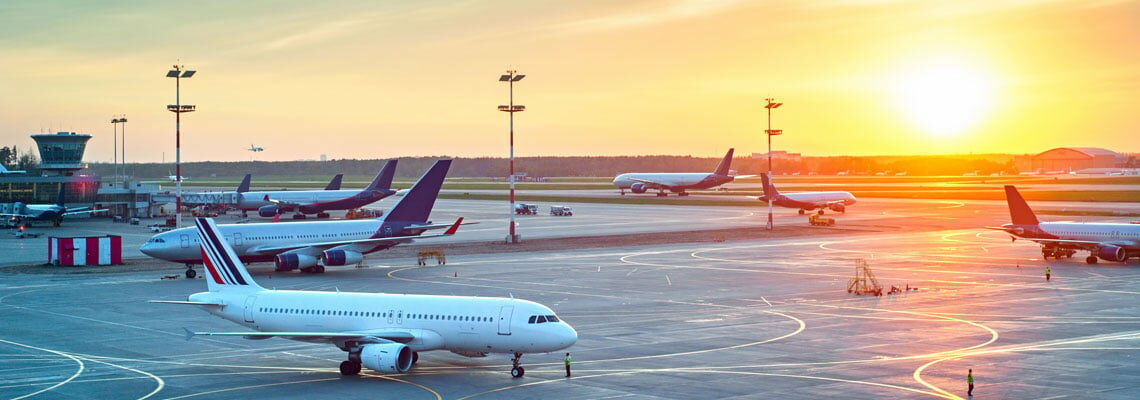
x=738, y=319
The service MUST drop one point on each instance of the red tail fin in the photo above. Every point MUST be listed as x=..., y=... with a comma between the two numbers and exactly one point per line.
x=1019, y=211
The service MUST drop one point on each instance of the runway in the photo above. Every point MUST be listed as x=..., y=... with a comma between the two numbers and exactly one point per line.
x=748, y=319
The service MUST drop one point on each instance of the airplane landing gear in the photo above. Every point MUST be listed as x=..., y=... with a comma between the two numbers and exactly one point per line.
x=802, y=212
x=1091, y=260
x=298, y=216
x=821, y=211
x=662, y=194
x=349, y=368
x=683, y=194
x=190, y=272
x=517, y=370
x=323, y=215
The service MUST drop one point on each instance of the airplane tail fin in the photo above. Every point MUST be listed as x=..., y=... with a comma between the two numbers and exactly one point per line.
x=769, y=189
x=226, y=272
x=334, y=184
x=383, y=180
x=3, y=169
x=244, y=185
x=416, y=205
x=1019, y=211
x=62, y=194
x=725, y=164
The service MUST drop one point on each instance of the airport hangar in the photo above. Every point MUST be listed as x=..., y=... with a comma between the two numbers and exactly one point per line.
x=1072, y=159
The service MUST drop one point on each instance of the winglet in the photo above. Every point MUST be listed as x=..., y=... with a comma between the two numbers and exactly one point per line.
x=189, y=334
x=454, y=227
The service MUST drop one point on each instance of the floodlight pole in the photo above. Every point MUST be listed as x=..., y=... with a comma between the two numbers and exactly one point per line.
x=771, y=104
x=115, y=144
x=123, y=121
x=177, y=73
x=511, y=77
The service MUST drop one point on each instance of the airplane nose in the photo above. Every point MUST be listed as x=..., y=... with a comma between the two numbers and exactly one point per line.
x=569, y=336
x=147, y=248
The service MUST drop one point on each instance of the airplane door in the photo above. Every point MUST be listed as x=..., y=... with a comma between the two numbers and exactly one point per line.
x=400, y=317
x=249, y=308
x=237, y=239
x=505, y=319
x=391, y=315
x=185, y=240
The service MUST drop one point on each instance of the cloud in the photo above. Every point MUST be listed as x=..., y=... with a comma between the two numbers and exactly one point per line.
x=676, y=10
x=315, y=35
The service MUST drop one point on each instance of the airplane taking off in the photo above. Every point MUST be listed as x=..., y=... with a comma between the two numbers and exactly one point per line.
x=271, y=203
x=255, y=149
x=676, y=182
x=311, y=246
x=806, y=201
x=382, y=332
x=48, y=212
x=1106, y=241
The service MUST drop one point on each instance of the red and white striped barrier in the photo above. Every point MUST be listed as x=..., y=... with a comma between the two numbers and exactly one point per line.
x=91, y=250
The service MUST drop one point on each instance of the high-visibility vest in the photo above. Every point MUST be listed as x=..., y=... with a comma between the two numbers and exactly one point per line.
x=567, y=361
x=970, y=378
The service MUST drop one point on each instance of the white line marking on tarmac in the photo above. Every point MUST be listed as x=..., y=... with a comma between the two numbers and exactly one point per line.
x=78, y=370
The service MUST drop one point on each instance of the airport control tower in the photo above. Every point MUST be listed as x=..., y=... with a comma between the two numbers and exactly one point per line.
x=62, y=152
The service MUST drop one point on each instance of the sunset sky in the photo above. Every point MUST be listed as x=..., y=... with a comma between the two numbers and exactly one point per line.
x=372, y=80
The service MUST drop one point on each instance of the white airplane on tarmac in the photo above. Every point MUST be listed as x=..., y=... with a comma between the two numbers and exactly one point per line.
x=382, y=332
x=677, y=182
x=310, y=246
x=806, y=201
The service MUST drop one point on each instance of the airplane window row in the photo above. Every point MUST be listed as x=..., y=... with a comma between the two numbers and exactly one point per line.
x=436, y=317
x=539, y=319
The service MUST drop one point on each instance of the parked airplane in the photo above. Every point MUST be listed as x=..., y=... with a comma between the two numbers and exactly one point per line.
x=255, y=148
x=48, y=212
x=311, y=246
x=806, y=201
x=383, y=332
x=272, y=203
x=676, y=182
x=1106, y=241
x=6, y=171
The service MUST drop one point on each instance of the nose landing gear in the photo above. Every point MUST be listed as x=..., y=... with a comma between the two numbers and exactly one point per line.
x=517, y=370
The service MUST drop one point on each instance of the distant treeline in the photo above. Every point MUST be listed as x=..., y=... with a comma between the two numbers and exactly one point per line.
x=410, y=167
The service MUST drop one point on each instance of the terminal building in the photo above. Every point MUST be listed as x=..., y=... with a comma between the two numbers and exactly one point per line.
x=61, y=163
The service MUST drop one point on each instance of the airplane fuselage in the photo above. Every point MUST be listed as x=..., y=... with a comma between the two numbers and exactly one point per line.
x=181, y=245
x=811, y=200
x=311, y=201
x=1126, y=236
x=468, y=325
x=674, y=181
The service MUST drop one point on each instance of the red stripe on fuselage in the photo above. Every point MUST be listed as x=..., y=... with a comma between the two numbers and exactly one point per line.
x=210, y=267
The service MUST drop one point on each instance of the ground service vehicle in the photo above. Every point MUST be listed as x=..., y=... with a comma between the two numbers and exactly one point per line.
x=561, y=211
x=526, y=209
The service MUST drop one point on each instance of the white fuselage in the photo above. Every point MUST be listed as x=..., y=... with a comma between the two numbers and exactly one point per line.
x=468, y=325
x=181, y=245
x=822, y=197
x=1122, y=235
x=672, y=179
x=254, y=200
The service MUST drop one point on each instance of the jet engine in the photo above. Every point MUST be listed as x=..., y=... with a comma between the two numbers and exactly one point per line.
x=268, y=211
x=292, y=261
x=342, y=257
x=1111, y=253
x=390, y=358
x=638, y=187
x=837, y=207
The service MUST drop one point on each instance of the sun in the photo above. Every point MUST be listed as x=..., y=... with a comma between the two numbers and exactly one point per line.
x=944, y=98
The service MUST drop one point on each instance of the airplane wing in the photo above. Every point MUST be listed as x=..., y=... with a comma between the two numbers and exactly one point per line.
x=85, y=211
x=374, y=336
x=651, y=184
x=374, y=241
x=743, y=176
x=285, y=204
x=189, y=303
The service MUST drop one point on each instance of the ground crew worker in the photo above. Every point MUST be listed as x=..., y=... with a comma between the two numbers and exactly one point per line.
x=567, y=362
x=970, y=382
x=1047, y=273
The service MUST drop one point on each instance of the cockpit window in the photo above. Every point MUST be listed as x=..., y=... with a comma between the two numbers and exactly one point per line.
x=551, y=318
x=531, y=320
x=541, y=319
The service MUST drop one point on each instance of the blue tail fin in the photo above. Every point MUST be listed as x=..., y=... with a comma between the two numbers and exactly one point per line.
x=725, y=164
x=769, y=189
x=334, y=184
x=416, y=205
x=383, y=180
x=62, y=194
x=1019, y=211
x=244, y=185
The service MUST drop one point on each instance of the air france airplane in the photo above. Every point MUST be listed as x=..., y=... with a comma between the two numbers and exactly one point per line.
x=271, y=203
x=1106, y=241
x=310, y=246
x=382, y=332
x=677, y=182
x=806, y=201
